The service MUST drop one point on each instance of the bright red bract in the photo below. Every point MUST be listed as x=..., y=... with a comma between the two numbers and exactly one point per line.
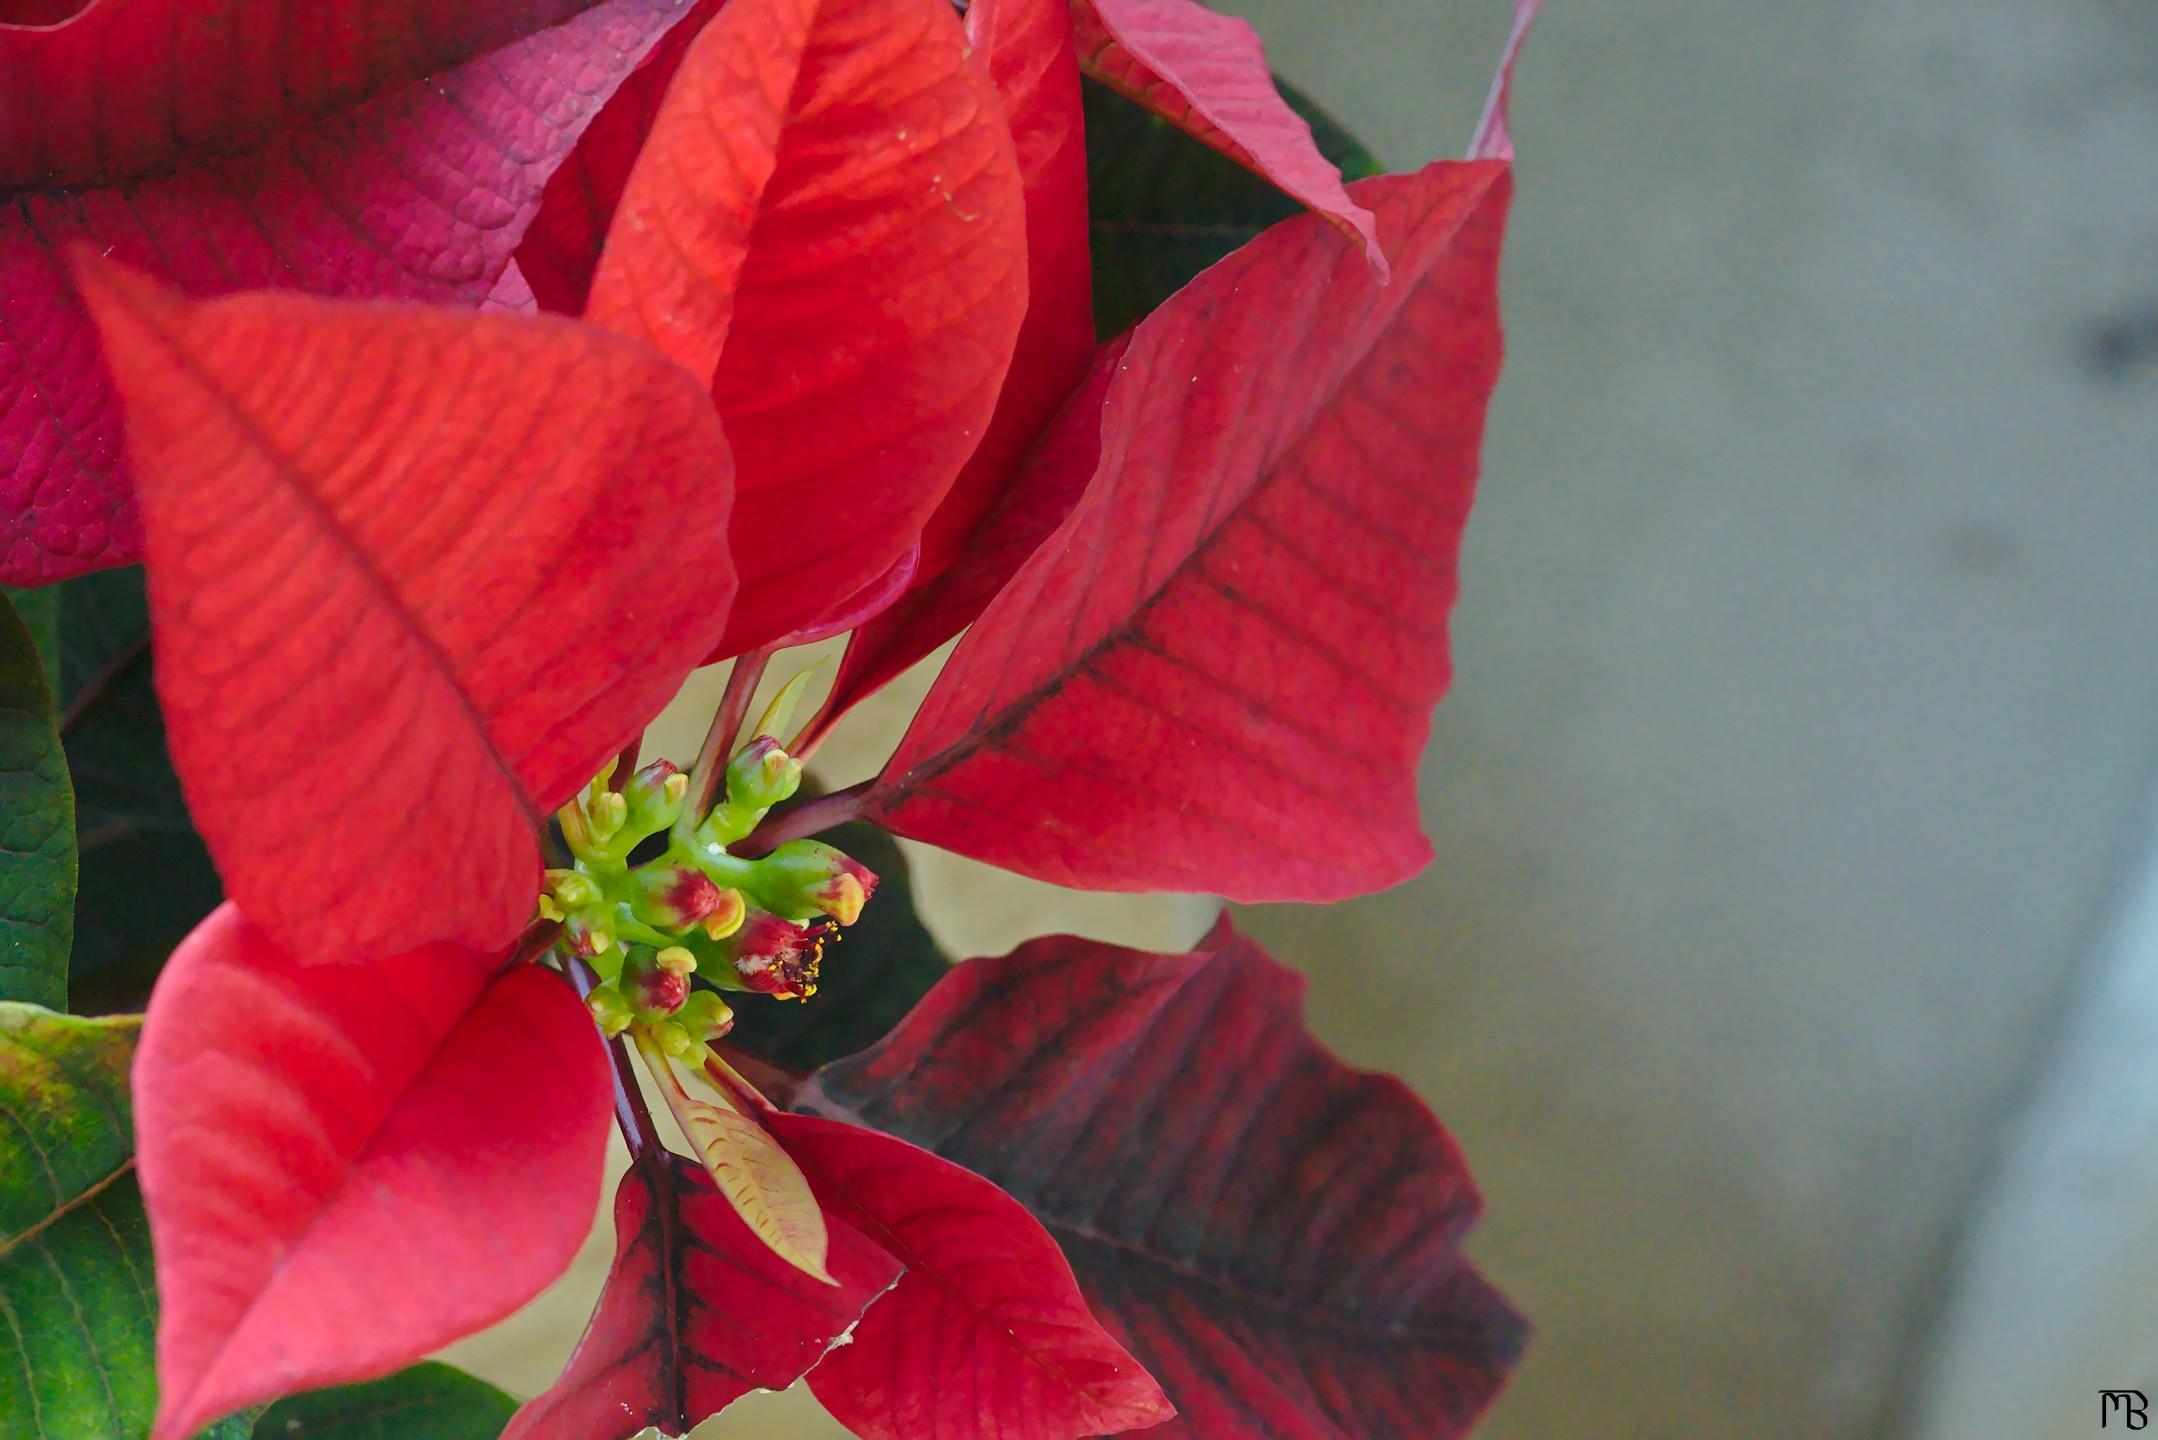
x=389, y=643
x=986, y=1336
x=348, y=1166
x=1218, y=674
x=826, y=221
x=1206, y=74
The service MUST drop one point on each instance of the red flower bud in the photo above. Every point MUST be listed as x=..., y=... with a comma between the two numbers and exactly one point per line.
x=777, y=957
x=804, y=877
x=674, y=897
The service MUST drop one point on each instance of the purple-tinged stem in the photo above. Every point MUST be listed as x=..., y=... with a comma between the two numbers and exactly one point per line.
x=630, y=1114
x=811, y=817
x=711, y=764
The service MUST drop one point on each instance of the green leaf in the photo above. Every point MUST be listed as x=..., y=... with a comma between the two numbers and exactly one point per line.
x=1164, y=206
x=37, y=828
x=426, y=1402
x=145, y=876
x=78, y=1309
x=40, y=611
x=873, y=973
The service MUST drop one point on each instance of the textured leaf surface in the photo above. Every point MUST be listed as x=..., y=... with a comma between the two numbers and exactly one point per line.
x=697, y=1313
x=1275, y=1235
x=37, y=827
x=1218, y=674
x=426, y=1402
x=76, y=1308
x=874, y=971
x=986, y=1333
x=1027, y=46
x=344, y=1163
x=1028, y=511
x=756, y=1176
x=1163, y=206
x=561, y=248
x=144, y=878
x=827, y=222
x=348, y=149
x=1207, y=74
x=403, y=555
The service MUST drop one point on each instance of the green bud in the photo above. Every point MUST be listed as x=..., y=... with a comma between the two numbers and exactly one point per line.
x=609, y=1010
x=705, y=1016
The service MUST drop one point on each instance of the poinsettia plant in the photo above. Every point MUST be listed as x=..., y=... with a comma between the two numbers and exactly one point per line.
x=464, y=374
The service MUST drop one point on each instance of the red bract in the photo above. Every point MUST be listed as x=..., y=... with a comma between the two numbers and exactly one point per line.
x=1027, y=45
x=1032, y=505
x=826, y=222
x=697, y=1313
x=346, y=1167
x=1207, y=75
x=415, y=575
x=986, y=1333
x=1274, y=1234
x=379, y=149
x=1217, y=675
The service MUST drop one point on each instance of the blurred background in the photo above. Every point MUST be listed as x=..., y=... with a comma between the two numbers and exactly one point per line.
x=1790, y=966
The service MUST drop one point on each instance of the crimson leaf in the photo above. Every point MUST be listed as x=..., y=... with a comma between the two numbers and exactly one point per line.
x=697, y=1312
x=1275, y=1235
x=1218, y=674
x=393, y=147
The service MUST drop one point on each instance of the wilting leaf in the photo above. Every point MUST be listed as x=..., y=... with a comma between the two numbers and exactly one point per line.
x=874, y=971
x=343, y=1163
x=697, y=1313
x=826, y=222
x=757, y=1178
x=1218, y=674
x=986, y=1334
x=1275, y=1235
x=37, y=827
x=412, y=567
x=1163, y=206
x=393, y=148
x=1206, y=73
x=427, y=1402
x=144, y=878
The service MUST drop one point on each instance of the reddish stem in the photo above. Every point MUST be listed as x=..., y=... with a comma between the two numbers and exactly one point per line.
x=626, y=762
x=630, y=1114
x=711, y=764
x=811, y=817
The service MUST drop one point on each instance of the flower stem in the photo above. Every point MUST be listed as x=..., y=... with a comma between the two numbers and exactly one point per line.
x=711, y=764
x=630, y=1113
x=808, y=818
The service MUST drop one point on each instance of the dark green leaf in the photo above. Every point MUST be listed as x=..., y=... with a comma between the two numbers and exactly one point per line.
x=145, y=876
x=40, y=611
x=37, y=828
x=1164, y=206
x=873, y=973
x=78, y=1317
x=426, y=1402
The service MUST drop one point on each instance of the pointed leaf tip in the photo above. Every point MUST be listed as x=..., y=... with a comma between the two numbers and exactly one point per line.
x=372, y=535
x=1206, y=73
